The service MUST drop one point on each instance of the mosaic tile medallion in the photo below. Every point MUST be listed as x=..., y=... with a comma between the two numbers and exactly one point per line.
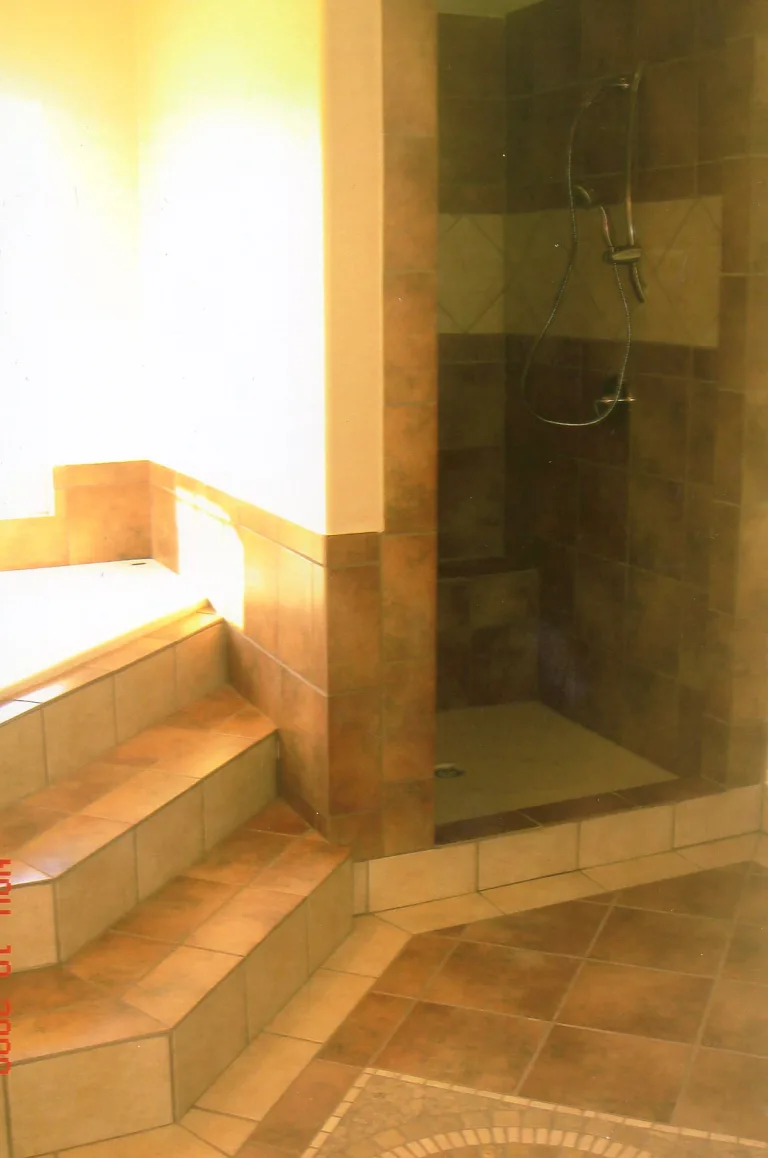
x=389, y=1115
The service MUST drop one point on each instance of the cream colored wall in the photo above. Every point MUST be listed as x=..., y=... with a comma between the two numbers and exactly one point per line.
x=190, y=208
x=68, y=174
x=232, y=246
x=354, y=191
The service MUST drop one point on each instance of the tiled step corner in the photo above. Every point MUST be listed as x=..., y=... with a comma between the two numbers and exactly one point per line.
x=136, y=1026
x=86, y=849
x=50, y=730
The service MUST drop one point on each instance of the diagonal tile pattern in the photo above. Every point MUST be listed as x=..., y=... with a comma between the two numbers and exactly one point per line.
x=607, y=1025
x=500, y=273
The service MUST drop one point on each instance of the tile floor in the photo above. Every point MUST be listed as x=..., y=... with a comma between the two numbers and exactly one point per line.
x=524, y=755
x=631, y=1024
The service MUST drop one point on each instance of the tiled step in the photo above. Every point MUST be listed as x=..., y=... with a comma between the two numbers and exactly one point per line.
x=128, y=1034
x=51, y=730
x=87, y=848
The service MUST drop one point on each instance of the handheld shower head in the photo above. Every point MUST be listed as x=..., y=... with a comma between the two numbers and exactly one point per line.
x=584, y=197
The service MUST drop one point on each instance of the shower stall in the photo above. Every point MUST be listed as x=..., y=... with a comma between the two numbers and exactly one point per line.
x=579, y=293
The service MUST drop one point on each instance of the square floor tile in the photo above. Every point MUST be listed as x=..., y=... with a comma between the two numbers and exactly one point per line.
x=306, y=1106
x=726, y=1093
x=663, y=941
x=415, y=967
x=521, y=982
x=483, y=1050
x=568, y=928
x=711, y=893
x=608, y=1071
x=367, y=1029
x=747, y=958
x=753, y=908
x=627, y=999
x=738, y=1018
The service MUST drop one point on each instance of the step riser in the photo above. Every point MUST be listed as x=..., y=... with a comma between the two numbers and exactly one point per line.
x=50, y=921
x=164, y=1075
x=54, y=734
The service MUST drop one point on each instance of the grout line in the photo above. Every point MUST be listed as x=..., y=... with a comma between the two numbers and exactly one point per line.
x=696, y=1044
x=566, y=994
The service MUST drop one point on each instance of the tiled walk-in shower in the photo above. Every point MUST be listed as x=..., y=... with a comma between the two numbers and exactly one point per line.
x=593, y=601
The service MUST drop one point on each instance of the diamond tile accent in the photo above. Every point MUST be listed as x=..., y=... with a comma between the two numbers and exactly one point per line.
x=681, y=243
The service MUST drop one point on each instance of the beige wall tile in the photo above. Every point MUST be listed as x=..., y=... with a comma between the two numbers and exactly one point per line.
x=329, y=915
x=470, y=271
x=22, y=756
x=716, y=853
x=372, y=945
x=108, y=522
x=207, y=1040
x=521, y=856
x=361, y=887
x=96, y=893
x=145, y=693
x=79, y=727
x=244, y=921
x=171, y=990
x=276, y=970
x=422, y=876
x=225, y=1133
x=169, y=841
x=31, y=928
x=547, y=891
x=320, y=1006
x=626, y=874
x=201, y=664
x=441, y=914
x=239, y=790
x=730, y=813
x=89, y=1096
x=253, y=1083
x=625, y=836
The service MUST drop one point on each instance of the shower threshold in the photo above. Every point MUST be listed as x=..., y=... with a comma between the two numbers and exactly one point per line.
x=526, y=765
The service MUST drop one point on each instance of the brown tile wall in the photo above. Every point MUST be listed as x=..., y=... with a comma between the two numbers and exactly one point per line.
x=403, y=818
x=472, y=474
x=652, y=528
x=557, y=48
x=624, y=519
x=472, y=112
x=101, y=513
x=487, y=641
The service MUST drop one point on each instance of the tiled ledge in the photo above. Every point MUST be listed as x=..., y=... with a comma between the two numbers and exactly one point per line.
x=140, y=1023
x=579, y=846
x=87, y=849
x=49, y=730
x=579, y=808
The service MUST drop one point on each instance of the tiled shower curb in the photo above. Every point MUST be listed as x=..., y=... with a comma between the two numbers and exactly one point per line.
x=577, y=846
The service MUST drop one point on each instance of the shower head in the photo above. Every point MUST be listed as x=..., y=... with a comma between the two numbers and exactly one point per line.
x=585, y=198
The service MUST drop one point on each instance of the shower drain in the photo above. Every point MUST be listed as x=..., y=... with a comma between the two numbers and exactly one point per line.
x=448, y=771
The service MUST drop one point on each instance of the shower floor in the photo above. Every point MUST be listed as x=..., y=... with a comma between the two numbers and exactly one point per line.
x=524, y=755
